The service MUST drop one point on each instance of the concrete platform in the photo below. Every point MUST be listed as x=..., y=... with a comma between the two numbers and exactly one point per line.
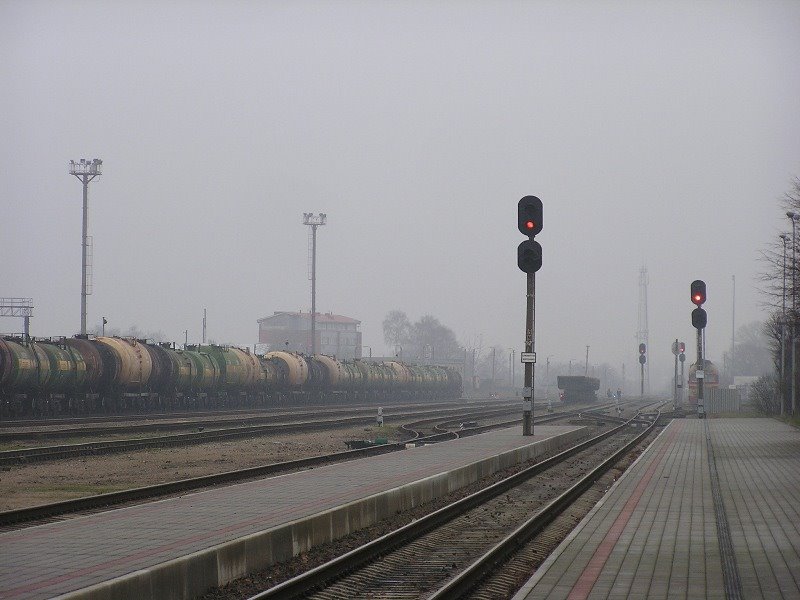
x=178, y=548
x=672, y=528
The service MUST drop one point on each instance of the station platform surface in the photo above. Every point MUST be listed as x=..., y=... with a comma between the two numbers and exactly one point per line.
x=179, y=547
x=710, y=510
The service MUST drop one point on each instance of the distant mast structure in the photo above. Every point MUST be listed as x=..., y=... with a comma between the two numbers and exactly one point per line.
x=85, y=170
x=643, y=332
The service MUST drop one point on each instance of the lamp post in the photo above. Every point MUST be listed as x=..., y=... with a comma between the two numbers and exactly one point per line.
x=793, y=217
x=314, y=221
x=547, y=384
x=85, y=171
x=784, y=239
x=511, y=353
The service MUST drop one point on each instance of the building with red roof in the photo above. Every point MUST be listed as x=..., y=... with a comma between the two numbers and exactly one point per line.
x=336, y=335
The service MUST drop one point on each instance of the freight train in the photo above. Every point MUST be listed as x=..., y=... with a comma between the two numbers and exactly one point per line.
x=578, y=388
x=88, y=375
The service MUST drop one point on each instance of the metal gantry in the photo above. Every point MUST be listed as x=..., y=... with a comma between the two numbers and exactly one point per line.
x=85, y=170
x=18, y=307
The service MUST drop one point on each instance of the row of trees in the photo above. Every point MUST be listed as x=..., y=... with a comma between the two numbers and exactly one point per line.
x=495, y=366
x=781, y=280
x=425, y=339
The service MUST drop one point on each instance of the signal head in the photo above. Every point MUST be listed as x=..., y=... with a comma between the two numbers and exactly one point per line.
x=529, y=256
x=698, y=292
x=681, y=347
x=642, y=348
x=529, y=215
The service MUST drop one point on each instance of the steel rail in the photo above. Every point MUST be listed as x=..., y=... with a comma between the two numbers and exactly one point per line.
x=40, y=453
x=211, y=420
x=96, y=501
x=478, y=570
x=43, y=511
x=335, y=568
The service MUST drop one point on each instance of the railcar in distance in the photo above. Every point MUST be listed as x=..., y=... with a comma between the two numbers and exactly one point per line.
x=578, y=389
x=87, y=375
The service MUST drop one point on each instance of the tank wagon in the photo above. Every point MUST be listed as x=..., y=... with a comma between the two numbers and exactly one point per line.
x=86, y=375
x=710, y=380
x=578, y=388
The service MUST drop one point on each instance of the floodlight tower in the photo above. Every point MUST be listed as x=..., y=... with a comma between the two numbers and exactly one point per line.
x=85, y=170
x=314, y=221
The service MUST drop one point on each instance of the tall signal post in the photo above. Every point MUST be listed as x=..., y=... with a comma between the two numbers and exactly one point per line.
x=643, y=333
x=699, y=322
x=314, y=221
x=529, y=260
x=85, y=170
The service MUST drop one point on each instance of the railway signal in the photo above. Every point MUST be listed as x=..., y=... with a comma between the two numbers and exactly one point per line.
x=529, y=215
x=529, y=260
x=642, y=361
x=698, y=291
x=699, y=321
x=529, y=222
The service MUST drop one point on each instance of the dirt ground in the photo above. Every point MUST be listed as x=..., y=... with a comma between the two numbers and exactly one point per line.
x=41, y=483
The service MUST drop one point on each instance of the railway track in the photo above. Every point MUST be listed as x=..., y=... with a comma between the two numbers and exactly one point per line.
x=42, y=513
x=39, y=434
x=450, y=551
x=42, y=453
x=7, y=423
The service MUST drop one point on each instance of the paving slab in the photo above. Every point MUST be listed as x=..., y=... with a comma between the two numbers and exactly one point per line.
x=658, y=532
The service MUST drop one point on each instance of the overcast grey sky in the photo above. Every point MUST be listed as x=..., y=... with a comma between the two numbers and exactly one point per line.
x=656, y=133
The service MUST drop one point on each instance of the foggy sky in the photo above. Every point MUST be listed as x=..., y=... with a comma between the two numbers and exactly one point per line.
x=656, y=133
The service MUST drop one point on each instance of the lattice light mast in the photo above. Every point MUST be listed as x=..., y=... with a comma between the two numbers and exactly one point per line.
x=643, y=333
x=314, y=221
x=85, y=170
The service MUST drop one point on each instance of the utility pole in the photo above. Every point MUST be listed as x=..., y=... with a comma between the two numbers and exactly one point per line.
x=792, y=328
x=85, y=171
x=733, y=332
x=204, y=326
x=782, y=387
x=586, y=367
x=675, y=351
x=314, y=222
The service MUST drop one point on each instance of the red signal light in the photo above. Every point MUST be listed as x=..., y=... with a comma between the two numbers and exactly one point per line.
x=698, y=292
x=530, y=224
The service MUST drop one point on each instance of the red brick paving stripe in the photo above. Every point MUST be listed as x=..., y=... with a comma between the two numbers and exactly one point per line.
x=585, y=583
